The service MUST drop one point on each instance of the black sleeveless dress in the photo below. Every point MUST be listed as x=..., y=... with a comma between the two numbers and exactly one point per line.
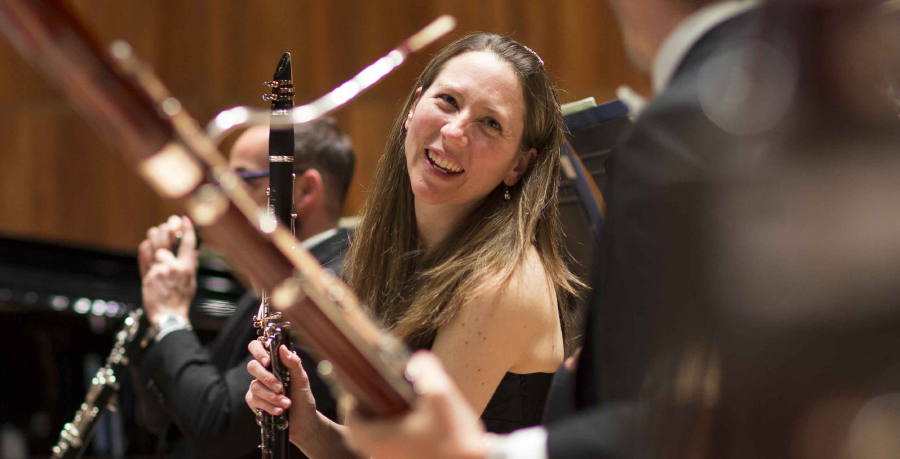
x=518, y=402
x=519, y=399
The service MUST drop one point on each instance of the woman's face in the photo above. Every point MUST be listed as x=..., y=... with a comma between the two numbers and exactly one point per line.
x=463, y=133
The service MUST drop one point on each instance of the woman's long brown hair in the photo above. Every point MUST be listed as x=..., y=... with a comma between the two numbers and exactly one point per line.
x=414, y=294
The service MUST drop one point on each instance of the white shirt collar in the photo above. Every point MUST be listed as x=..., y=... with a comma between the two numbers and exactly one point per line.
x=686, y=35
x=313, y=241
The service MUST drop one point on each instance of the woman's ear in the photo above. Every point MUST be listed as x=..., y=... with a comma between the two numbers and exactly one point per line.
x=409, y=115
x=523, y=160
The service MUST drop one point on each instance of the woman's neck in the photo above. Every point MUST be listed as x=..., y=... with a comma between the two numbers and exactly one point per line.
x=435, y=222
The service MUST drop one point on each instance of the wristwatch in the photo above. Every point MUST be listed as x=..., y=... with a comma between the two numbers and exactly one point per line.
x=167, y=324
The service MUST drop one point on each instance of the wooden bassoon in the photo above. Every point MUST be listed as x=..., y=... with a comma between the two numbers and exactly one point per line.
x=134, y=112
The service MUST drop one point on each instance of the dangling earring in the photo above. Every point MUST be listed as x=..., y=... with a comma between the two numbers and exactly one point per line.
x=506, y=196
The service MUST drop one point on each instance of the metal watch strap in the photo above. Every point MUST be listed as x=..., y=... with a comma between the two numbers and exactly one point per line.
x=167, y=324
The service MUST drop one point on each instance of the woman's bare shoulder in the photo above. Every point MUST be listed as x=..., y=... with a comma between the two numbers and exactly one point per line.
x=527, y=295
x=498, y=329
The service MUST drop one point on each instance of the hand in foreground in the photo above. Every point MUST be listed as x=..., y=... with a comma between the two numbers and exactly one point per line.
x=571, y=362
x=169, y=280
x=266, y=393
x=442, y=425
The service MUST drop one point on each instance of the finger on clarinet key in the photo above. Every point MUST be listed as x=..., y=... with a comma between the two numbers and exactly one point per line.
x=264, y=376
x=263, y=393
x=259, y=352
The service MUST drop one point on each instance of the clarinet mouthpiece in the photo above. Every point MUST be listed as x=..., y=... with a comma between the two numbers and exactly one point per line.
x=283, y=70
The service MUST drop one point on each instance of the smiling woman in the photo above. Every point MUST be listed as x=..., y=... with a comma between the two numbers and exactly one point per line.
x=458, y=250
x=485, y=105
x=463, y=136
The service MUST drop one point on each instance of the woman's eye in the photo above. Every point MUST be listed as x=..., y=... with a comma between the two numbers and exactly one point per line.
x=493, y=124
x=448, y=99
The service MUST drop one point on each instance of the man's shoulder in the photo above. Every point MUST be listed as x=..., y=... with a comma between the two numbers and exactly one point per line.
x=339, y=240
x=694, y=123
x=330, y=252
x=730, y=40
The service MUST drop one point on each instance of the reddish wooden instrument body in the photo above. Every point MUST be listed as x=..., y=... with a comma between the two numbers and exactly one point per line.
x=128, y=116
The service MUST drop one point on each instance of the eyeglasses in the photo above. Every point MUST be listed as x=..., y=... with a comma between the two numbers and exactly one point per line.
x=248, y=175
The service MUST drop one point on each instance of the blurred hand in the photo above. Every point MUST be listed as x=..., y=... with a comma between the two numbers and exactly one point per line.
x=442, y=425
x=169, y=280
x=571, y=363
x=266, y=393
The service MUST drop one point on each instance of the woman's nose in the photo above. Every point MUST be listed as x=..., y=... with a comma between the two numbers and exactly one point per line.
x=455, y=132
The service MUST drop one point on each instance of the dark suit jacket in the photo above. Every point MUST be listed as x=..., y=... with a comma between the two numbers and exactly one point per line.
x=201, y=390
x=672, y=142
x=678, y=364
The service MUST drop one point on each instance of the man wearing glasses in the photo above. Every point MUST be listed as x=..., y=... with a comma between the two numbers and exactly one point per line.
x=193, y=395
x=323, y=168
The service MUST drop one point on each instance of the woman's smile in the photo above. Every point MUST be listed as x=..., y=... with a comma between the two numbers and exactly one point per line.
x=442, y=164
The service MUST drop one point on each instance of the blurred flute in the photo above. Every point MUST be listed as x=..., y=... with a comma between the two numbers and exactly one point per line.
x=133, y=110
x=272, y=331
x=102, y=395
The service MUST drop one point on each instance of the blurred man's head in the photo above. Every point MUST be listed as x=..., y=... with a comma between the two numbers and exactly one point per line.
x=645, y=24
x=323, y=164
x=250, y=155
x=323, y=153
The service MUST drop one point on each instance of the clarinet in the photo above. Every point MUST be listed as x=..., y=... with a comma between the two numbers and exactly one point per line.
x=272, y=331
x=76, y=435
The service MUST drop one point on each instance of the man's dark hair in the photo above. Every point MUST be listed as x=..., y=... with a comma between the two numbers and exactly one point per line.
x=321, y=145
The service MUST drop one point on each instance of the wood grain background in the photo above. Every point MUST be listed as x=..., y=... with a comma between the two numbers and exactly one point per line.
x=60, y=183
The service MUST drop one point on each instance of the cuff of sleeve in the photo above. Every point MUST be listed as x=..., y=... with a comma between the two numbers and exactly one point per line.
x=530, y=443
x=168, y=324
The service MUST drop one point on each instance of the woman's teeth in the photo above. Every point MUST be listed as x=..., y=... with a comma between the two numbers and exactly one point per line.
x=443, y=164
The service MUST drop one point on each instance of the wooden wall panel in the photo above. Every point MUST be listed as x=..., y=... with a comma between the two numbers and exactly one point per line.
x=59, y=182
